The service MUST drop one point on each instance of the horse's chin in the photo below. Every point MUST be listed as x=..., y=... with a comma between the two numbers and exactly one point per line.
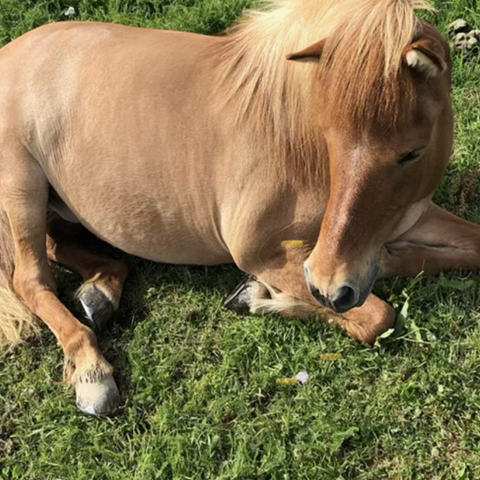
x=367, y=288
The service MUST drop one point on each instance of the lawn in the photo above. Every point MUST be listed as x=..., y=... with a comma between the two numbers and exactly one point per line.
x=200, y=399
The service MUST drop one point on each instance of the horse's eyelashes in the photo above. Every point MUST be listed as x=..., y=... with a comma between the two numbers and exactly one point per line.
x=410, y=157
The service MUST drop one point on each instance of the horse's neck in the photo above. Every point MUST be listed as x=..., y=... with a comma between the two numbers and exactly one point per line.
x=272, y=106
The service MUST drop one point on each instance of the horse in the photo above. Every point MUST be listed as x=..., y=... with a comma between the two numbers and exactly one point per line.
x=304, y=145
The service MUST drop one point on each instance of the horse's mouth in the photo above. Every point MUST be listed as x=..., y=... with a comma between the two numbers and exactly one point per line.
x=350, y=295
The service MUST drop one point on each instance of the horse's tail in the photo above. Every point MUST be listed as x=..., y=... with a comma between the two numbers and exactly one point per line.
x=16, y=320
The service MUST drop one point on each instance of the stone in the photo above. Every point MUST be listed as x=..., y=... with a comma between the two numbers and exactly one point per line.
x=458, y=26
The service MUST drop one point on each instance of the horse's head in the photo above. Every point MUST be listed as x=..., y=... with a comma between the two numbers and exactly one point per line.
x=389, y=137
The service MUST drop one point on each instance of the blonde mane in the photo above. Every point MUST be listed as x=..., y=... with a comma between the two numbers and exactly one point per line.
x=360, y=74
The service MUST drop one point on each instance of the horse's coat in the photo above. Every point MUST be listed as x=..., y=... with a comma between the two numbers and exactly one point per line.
x=316, y=116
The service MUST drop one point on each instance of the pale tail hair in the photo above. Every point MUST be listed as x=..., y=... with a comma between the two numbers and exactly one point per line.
x=16, y=321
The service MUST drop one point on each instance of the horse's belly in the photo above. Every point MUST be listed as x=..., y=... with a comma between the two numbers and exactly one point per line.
x=159, y=243
x=193, y=251
x=161, y=235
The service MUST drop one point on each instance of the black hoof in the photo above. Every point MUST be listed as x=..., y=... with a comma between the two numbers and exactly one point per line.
x=240, y=301
x=97, y=306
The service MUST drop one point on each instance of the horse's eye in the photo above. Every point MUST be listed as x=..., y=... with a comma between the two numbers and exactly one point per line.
x=410, y=157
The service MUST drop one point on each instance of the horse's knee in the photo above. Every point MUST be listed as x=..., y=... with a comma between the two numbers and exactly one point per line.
x=30, y=284
x=369, y=321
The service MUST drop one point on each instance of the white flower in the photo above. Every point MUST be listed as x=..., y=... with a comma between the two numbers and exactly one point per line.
x=70, y=11
x=302, y=377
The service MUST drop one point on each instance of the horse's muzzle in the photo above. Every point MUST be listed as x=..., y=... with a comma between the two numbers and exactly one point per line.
x=342, y=300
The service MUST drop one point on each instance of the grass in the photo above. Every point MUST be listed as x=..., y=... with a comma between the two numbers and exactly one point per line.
x=200, y=399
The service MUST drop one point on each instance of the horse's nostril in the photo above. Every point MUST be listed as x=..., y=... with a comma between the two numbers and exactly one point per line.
x=345, y=299
x=316, y=293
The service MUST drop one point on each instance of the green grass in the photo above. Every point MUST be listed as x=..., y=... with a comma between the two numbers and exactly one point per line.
x=198, y=382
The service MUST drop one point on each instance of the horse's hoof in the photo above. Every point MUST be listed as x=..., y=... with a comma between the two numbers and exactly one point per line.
x=240, y=299
x=98, y=307
x=99, y=398
x=244, y=298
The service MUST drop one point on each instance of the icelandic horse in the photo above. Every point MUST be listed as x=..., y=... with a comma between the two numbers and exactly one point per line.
x=304, y=146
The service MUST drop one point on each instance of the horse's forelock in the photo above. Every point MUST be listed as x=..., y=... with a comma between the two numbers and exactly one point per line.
x=362, y=76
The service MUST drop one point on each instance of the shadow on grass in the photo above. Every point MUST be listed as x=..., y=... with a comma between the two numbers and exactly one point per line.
x=194, y=295
x=146, y=283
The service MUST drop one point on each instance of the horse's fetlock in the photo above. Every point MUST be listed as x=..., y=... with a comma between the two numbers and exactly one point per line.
x=93, y=373
x=88, y=370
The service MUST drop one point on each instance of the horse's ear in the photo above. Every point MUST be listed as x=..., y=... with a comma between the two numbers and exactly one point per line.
x=427, y=56
x=312, y=53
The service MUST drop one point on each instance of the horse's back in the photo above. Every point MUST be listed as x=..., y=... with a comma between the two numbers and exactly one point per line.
x=61, y=59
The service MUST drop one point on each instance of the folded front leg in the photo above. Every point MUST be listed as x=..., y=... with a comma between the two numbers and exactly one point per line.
x=440, y=241
x=258, y=295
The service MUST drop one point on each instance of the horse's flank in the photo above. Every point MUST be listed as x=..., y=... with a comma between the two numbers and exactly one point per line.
x=361, y=78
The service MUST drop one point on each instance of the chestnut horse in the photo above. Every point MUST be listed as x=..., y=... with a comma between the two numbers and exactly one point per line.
x=304, y=146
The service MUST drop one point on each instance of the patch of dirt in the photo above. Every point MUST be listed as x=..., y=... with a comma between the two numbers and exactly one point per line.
x=464, y=190
x=7, y=445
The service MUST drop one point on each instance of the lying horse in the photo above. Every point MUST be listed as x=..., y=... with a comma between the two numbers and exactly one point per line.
x=304, y=146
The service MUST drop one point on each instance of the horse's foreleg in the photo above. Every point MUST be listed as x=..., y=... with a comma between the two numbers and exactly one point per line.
x=103, y=277
x=24, y=193
x=258, y=295
x=440, y=241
